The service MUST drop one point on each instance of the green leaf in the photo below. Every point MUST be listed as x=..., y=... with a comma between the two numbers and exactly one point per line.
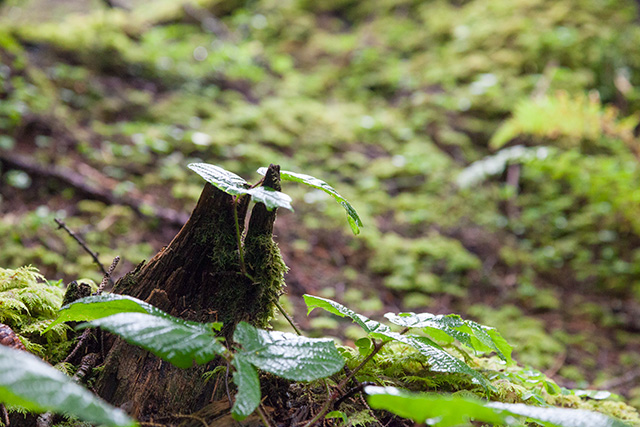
x=369, y=326
x=591, y=394
x=446, y=410
x=437, y=357
x=248, y=395
x=337, y=414
x=28, y=382
x=177, y=341
x=561, y=417
x=221, y=178
x=469, y=333
x=232, y=184
x=352, y=215
x=270, y=197
x=440, y=360
x=99, y=306
x=287, y=355
x=434, y=409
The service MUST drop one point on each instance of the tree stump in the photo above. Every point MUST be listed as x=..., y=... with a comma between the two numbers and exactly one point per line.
x=197, y=277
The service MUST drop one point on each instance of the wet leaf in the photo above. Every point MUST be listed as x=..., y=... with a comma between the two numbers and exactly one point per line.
x=287, y=355
x=442, y=410
x=221, y=178
x=439, y=359
x=338, y=309
x=246, y=379
x=177, y=341
x=232, y=184
x=469, y=333
x=352, y=215
x=271, y=198
x=28, y=382
x=99, y=306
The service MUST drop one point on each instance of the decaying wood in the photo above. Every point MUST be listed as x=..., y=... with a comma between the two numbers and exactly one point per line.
x=196, y=277
x=80, y=183
x=9, y=338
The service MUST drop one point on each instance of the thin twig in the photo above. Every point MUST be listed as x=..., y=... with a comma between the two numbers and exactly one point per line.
x=377, y=347
x=193, y=417
x=263, y=416
x=226, y=385
x=94, y=255
x=83, y=338
x=286, y=316
x=107, y=276
x=87, y=332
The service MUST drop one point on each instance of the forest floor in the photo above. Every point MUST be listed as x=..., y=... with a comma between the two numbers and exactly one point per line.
x=390, y=103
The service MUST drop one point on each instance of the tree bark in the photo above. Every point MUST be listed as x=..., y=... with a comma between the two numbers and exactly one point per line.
x=197, y=277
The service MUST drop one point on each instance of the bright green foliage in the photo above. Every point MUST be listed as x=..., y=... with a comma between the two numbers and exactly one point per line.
x=180, y=342
x=478, y=337
x=99, y=306
x=271, y=198
x=232, y=184
x=568, y=119
x=369, y=326
x=446, y=410
x=28, y=382
x=247, y=397
x=390, y=98
x=352, y=215
x=287, y=355
x=438, y=359
x=224, y=180
x=28, y=304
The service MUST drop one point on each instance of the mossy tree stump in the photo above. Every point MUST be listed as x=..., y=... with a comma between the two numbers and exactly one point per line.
x=197, y=277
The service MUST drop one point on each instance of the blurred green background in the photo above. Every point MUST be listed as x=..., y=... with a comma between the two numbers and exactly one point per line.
x=490, y=147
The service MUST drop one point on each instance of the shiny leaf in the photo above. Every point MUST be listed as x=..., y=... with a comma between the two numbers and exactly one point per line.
x=446, y=410
x=352, y=215
x=28, y=382
x=437, y=357
x=441, y=410
x=287, y=355
x=177, y=341
x=439, y=360
x=469, y=333
x=224, y=180
x=271, y=198
x=99, y=306
x=247, y=397
x=338, y=309
x=232, y=184
x=560, y=417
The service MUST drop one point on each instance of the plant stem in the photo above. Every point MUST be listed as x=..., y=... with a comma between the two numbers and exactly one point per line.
x=325, y=408
x=263, y=416
x=286, y=316
x=238, y=236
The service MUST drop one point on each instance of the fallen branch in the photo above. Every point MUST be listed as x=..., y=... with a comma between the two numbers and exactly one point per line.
x=79, y=182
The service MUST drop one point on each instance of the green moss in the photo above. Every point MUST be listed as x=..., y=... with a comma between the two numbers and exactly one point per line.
x=267, y=268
